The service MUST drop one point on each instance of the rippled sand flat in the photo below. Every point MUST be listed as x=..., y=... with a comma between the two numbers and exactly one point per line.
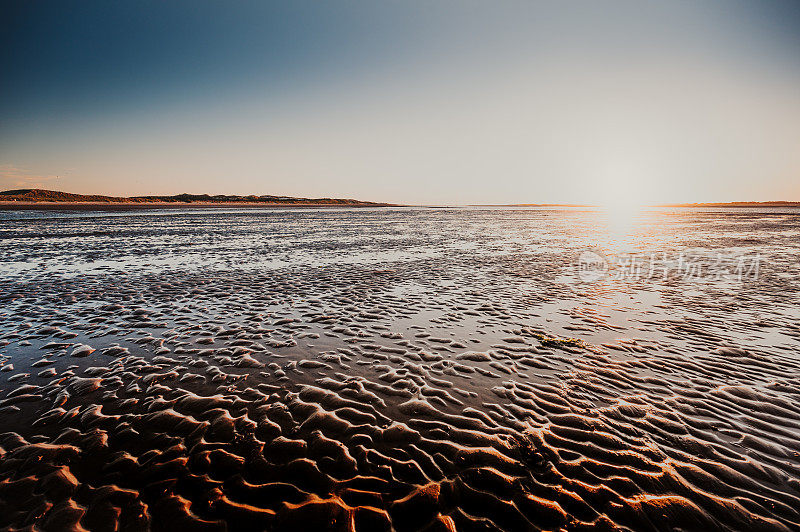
x=405, y=369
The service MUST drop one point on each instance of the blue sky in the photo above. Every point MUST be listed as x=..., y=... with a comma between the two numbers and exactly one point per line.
x=417, y=102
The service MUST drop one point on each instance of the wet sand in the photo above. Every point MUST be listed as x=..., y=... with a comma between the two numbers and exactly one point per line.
x=406, y=369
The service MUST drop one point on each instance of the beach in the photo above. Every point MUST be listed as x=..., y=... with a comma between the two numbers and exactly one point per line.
x=399, y=369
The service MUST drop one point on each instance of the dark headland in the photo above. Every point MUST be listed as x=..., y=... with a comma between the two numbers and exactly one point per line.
x=39, y=198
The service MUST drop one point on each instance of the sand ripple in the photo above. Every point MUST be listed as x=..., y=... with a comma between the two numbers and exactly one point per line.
x=425, y=394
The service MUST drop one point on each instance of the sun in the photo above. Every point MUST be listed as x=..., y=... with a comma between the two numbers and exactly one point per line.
x=621, y=196
x=624, y=188
x=623, y=204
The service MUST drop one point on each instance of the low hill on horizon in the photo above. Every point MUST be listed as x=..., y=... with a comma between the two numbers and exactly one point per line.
x=53, y=197
x=37, y=195
x=738, y=204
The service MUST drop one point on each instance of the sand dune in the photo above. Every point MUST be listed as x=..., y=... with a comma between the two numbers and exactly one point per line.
x=39, y=197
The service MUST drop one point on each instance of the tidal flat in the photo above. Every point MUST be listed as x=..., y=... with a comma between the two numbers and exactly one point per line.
x=400, y=369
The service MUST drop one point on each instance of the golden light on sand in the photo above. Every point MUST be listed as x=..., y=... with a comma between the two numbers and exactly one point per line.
x=619, y=224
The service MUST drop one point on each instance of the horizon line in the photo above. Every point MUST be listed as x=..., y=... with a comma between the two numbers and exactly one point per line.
x=35, y=196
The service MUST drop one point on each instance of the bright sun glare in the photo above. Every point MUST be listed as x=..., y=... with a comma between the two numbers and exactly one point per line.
x=623, y=188
x=622, y=198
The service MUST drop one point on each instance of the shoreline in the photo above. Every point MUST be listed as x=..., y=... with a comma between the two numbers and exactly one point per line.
x=144, y=205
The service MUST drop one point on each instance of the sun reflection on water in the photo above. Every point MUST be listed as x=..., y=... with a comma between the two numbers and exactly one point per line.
x=622, y=228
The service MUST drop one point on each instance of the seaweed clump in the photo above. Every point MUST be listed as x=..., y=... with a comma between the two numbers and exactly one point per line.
x=558, y=342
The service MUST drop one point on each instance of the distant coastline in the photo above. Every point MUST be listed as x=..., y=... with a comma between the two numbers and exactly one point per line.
x=737, y=204
x=51, y=199
x=732, y=204
x=55, y=200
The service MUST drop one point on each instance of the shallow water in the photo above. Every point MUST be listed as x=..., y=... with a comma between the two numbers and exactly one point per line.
x=407, y=368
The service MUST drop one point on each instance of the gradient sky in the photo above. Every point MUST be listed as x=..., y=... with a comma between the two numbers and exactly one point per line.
x=417, y=102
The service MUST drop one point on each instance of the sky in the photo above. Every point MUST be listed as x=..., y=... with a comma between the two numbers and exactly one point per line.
x=419, y=102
